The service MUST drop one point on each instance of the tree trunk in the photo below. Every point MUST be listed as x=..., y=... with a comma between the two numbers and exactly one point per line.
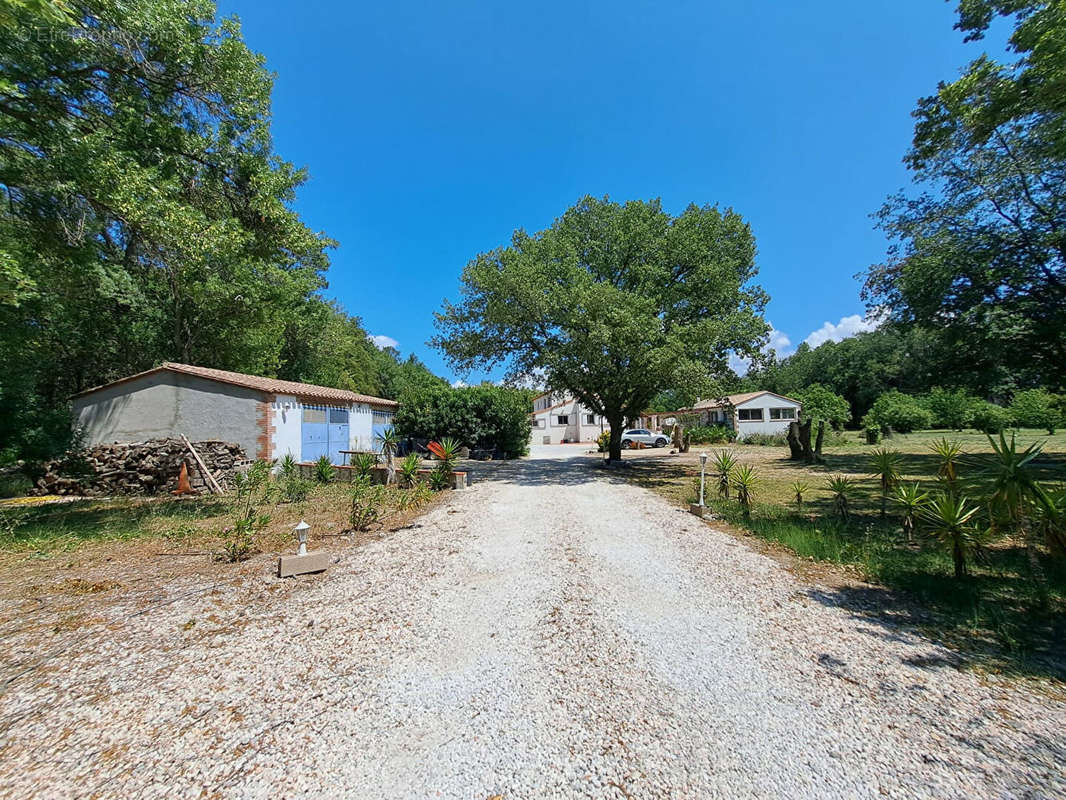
x=794, y=446
x=818, y=441
x=805, y=441
x=960, y=560
x=614, y=449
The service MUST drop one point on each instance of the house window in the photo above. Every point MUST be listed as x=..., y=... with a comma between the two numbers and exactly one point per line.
x=749, y=414
x=590, y=419
x=338, y=416
x=538, y=423
x=782, y=413
x=562, y=419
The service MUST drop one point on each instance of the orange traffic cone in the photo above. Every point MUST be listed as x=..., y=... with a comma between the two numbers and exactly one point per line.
x=184, y=487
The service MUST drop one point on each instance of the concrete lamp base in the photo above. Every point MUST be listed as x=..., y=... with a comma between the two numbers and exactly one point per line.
x=299, y=565
x=698, y=510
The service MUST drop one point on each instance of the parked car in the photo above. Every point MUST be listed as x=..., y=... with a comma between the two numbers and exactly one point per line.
x=645, y=437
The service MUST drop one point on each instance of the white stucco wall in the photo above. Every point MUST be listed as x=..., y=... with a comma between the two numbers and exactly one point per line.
x=361, y=427
x=769, y=426
x=288, y=417
x=576, y=429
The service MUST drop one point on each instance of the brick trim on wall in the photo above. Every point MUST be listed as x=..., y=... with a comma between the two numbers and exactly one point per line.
x=264, y=417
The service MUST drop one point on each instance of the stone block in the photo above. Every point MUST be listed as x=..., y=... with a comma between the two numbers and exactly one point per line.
x=298, y=565
x=698, y=510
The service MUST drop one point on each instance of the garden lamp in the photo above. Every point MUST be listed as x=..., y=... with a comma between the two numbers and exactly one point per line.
x=703, y=472
x=301, y=529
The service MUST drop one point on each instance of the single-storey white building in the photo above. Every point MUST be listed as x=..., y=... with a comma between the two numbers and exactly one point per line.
x=269, y=418
x=559, y=418
x=747, y=413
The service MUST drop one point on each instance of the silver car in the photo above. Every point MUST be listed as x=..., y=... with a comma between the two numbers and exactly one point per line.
x=645, y=437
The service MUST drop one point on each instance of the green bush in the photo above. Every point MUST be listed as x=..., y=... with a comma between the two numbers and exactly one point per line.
x=323, y=469
x=480, y=417
x=710, y=434
x=990, y=418
x=1036, y=408
x=603, y=441
x=900, y=412
x=954, y=410
x=766, y=439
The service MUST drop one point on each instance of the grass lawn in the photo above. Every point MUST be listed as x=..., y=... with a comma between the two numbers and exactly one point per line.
x=998, y=616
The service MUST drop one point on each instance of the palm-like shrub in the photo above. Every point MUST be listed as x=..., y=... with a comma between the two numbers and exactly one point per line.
x=289, y=466
x=364, y=464
x=323, y=469
x=884, y=464
x=389, y=441
x=911, y=499
x=840, y=486
x=1012, y=490
x=1050, y=520
x=745, y=478
x=949, y=520
x=439, y=479
x=368, y=504
x=799, y=488
x=724, y=463
x=949, y=452
x=409, y=469
x=447, y=450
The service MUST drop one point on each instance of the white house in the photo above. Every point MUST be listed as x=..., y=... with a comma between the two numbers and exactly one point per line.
x=748, y=413
x=559, y=418
x=269, y=418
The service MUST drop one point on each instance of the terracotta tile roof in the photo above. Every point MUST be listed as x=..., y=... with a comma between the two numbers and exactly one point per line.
x=272, y=385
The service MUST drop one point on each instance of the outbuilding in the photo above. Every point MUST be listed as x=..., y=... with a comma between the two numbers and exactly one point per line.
x=748, y=413
x=269, y=418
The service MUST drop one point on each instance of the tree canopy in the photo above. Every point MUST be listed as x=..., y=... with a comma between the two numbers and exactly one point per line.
x=979, y=257
x=613, y=303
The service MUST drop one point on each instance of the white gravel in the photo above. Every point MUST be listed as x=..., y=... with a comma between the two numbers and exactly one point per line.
x=552, y=633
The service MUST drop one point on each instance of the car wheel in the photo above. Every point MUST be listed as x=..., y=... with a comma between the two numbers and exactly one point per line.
x=627, y=444
x=661, y=442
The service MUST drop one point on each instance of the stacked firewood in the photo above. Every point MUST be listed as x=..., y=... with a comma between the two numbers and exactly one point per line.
x=150, y=467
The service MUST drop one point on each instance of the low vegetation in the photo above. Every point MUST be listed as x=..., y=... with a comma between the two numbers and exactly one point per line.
x=965, y=534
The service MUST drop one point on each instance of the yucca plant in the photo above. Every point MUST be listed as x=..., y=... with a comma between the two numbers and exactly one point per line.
x=439, y=479
x=841, y=487
x=364, y=464
x=389, y=441
x=724, y=463
x=949, y=520
x=950, y=453
x=409, y=469
x=289, y=467
x=799, y=488
x=745, y=478
x=911, y=499
x=323, y=469
x=1013, y=489
x=447, y=450
x=1050, y=520
x=884, y=464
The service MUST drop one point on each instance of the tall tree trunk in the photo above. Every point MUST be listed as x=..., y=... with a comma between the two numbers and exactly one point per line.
x=794, y=446
x=805, y=441
x=614, y=449
x=960, y=560
x=818, y=441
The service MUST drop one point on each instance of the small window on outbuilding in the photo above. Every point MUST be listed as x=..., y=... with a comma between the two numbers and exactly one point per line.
x=782, y=413
x=749, y=414
x=314, y=416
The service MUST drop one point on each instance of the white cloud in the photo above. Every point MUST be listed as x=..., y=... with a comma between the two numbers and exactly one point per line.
x=458, y=384
x=381, y=341
x=848, y=326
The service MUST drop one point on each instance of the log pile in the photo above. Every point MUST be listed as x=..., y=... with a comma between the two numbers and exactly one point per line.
x=150, y=467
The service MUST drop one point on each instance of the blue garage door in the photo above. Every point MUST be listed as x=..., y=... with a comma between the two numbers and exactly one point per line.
x=382, y=422
x=324, y=431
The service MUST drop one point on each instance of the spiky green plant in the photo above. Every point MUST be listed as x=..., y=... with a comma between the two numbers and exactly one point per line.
x=724, y=463
x=745, y=479
x=884, y=464
x=389, y=441
x=289, y=466
x=323, y=469
x=799, y=488
x=949, y=452
x=841, y=486
x=439, y=478
x=1013, y=489
x=368, y=503
x=364, y=464
x=1050, y=520
x=911, y=499
x=450, y=449
x=409, y=469
x=949, y=520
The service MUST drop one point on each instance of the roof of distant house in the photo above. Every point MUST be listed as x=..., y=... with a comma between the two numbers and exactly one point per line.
x=732, y=400
x=308, y=391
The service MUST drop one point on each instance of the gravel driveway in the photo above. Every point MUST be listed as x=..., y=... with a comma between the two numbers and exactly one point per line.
x=552, y=632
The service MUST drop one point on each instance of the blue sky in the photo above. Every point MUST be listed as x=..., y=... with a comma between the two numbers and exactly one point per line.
x=433, y=130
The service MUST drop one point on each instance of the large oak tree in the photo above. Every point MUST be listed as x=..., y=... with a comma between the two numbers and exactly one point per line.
x=613, y=303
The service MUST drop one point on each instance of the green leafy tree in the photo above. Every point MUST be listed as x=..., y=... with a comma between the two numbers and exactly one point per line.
x=951, y=409
x=613, y=303
x=1036, y=408
x=980, y=256
x=821, y=403
x=899, y=412
x=482, y=417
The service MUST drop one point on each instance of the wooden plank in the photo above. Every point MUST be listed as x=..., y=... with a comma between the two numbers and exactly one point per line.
x=208, y=477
